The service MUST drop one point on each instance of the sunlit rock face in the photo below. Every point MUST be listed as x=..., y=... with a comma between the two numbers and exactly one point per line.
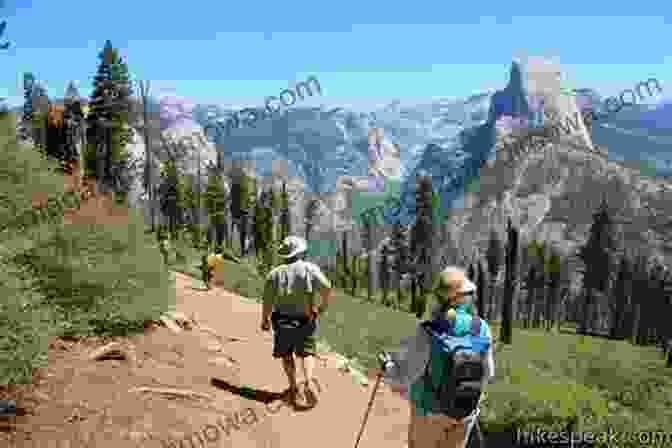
x=176, y=112
x=543, y=84
x=384, y=160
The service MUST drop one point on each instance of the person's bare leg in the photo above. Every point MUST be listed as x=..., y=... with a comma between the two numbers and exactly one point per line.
x=308, y=367
x=311, y=388
x=411, y=424
x=290, y=370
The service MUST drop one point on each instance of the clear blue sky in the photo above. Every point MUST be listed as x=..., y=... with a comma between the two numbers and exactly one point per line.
x=364, y=53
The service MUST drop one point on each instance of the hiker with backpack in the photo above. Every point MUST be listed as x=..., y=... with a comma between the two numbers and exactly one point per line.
x=290, y=307
x=443, y=368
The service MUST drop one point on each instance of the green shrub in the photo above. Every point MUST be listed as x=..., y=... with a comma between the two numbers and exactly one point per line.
x=89, y=160
x=102, y=279
x=25, y=327
x=58, y=279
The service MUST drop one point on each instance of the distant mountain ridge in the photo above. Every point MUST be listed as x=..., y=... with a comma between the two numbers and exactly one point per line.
x=450, y=140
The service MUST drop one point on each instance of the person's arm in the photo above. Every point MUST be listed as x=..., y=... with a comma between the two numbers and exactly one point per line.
x=326, y=298
x=268, y=300
x=327, y=292
x=490, y=365
x=489, y=356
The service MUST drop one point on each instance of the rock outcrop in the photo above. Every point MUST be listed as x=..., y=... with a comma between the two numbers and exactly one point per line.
x=551, y=193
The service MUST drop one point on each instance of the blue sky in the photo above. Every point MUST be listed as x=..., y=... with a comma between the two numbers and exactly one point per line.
x=364, y=53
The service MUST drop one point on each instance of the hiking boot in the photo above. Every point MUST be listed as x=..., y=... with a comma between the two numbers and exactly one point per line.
x=294, y=396
x=311, y=390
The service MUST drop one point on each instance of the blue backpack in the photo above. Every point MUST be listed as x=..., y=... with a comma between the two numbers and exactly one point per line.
x=453, y=378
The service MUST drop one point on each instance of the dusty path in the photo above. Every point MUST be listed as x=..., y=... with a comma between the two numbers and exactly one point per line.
x=78, y=402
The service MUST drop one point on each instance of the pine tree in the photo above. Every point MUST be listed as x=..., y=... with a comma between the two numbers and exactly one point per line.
x=71, y=91
x=659, y=305
x=188, y=205
x=73, y=118
x=55, y=133
x=384, y=273
x=399, y=247
x=422, y=239
x=263, y=231
x=169, y=193
x=540, y=299
x=650, y=309
x=620, y=296
x=553, y=270
x=240, y=192
x=480, y=289
x=344, y=257
x=40, y=115
x=263, y=222
x=246, y=187
x=311, y=212
x=494, y=258
x=27, y=118
x=243, y=195
x=147, y=175
x=285, y=218
x=535, y=282
x=664, y=305
x=531, y=282
x=510, y=280
x=99, y=113
x=367, y=237
x=215, y=204
x=597, y=254
x=236, y=202
x=640, y=285
x=665, y=290
x=354, y=274
x=108, y=116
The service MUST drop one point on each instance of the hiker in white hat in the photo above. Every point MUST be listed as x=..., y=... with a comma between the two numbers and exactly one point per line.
x=443, y=381
x=290, y=306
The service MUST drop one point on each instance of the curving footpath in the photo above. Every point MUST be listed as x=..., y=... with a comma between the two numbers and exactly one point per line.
x=156, y=390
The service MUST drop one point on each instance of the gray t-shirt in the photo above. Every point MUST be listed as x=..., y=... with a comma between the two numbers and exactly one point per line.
x=291, y=288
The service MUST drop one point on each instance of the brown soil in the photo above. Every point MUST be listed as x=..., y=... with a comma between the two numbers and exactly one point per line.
x=78, y=402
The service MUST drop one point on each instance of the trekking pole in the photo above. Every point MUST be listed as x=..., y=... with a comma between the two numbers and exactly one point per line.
x=383, y=358
x=368, y=409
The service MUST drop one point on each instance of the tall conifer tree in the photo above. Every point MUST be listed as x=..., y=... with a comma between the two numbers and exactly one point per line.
x=400, y=251
x=597, y=255
x=27, y=118
x=494, y=258
x=422, y=241
x=285, y=218
x=215, y=204
x=108, y=117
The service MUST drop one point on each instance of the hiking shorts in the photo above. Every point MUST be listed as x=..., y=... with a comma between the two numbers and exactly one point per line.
x=294, y=335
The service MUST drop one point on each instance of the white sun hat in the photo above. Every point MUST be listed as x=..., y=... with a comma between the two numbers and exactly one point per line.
x=292, y=246
x=451, y=273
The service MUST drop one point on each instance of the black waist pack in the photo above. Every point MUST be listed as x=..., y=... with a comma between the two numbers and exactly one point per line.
x=288, y=320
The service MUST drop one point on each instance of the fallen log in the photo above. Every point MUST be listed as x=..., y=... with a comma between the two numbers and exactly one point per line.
x=173, y=393
x=170, y=324
x=113, y=350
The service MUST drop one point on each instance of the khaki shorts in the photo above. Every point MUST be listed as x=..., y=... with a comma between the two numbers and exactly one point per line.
x=435, y=431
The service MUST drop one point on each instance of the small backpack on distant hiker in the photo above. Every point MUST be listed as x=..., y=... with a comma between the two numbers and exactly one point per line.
x=453, y=377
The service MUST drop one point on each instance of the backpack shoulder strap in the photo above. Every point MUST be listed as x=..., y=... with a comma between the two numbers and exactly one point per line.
x=426, y=376
x=476, y=326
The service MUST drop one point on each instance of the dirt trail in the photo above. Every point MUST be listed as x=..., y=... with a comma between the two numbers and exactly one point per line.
x=78, y=402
